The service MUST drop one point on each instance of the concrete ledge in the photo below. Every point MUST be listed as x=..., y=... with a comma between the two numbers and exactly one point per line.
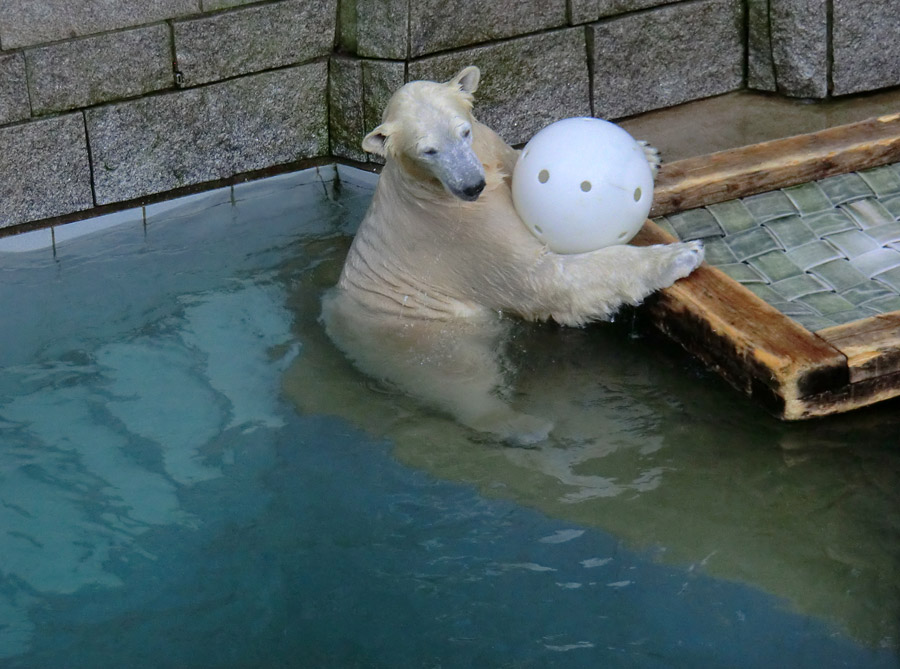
x=178, y=139
x=45, y=170
x=98, y=69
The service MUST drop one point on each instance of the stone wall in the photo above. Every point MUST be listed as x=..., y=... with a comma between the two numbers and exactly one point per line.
x=111, y=101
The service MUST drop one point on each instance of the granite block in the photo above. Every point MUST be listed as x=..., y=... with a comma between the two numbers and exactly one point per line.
x=160, y=143
x=346, y=120
x=800, y=47
x=865, y=45
x=760, y=64
x=526, y=83
x=668, y=56
x=358, y=92
x=97, y=69
x=380, y=78
x=438, y=25
x=30, y=22
x=366, y=31
x=44, y=170
x=253, y=39
x=586, y=11
x=14, y=105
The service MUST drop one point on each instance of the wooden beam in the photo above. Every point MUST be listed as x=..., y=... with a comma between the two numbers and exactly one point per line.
x=696, y=182
x=795, y=373
x=750, y=343
x=872, y=345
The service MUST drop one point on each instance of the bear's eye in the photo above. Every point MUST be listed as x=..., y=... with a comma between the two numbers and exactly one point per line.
x=466, y=132
x=429, y=152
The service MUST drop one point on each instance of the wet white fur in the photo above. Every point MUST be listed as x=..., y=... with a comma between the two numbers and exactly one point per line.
x=428, y=272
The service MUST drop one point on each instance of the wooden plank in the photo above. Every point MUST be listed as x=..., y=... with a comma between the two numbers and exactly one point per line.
x=754, y=346
x=852, y=396
x=695, y=182
x=795, y=373
x=872, y=345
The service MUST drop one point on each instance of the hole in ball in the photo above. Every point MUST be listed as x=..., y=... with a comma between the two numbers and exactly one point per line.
x=637, y=194
x=543, y=176
x=623, y=235
x=585, y=186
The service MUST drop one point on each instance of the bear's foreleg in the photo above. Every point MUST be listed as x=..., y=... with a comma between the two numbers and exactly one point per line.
x=593, y=286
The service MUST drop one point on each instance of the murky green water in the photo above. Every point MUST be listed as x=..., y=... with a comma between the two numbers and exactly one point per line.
x=192, y=475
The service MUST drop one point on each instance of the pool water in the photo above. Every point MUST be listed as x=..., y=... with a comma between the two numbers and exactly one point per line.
x=191, y=475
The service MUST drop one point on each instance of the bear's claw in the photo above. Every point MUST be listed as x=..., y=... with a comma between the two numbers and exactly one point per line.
x=652, y=155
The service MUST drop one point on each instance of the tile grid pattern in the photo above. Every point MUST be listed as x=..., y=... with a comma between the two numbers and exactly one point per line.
x=823, y=253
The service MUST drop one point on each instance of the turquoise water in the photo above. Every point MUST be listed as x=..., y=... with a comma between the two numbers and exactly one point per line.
x=191, y=476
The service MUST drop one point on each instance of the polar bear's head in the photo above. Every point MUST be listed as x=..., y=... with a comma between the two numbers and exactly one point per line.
x=427, y=127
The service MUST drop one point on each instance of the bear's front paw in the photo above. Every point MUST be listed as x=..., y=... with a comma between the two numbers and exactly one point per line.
x=688, y=258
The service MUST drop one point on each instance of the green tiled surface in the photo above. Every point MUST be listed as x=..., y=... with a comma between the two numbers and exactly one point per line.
x=822, y=253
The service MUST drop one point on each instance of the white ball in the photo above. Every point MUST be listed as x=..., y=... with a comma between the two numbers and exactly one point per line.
x=581, y=184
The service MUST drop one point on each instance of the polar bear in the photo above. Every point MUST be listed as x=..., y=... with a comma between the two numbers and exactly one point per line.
x=441, y=257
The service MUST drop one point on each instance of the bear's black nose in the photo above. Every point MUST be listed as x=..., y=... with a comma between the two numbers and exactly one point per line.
x=472, y=192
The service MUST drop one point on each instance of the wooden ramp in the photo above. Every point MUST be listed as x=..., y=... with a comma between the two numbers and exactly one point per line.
x=798, y=305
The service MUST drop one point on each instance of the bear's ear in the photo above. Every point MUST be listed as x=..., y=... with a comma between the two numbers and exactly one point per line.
x=467, y=79
x=376, y=141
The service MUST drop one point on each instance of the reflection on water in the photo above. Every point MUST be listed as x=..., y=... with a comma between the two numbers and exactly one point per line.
x=650, y=447
x=161, y=504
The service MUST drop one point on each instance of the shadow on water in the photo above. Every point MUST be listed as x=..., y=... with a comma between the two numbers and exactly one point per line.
x=657, y=451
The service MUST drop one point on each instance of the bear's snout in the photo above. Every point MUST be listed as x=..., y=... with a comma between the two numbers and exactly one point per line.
x=471, y=193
